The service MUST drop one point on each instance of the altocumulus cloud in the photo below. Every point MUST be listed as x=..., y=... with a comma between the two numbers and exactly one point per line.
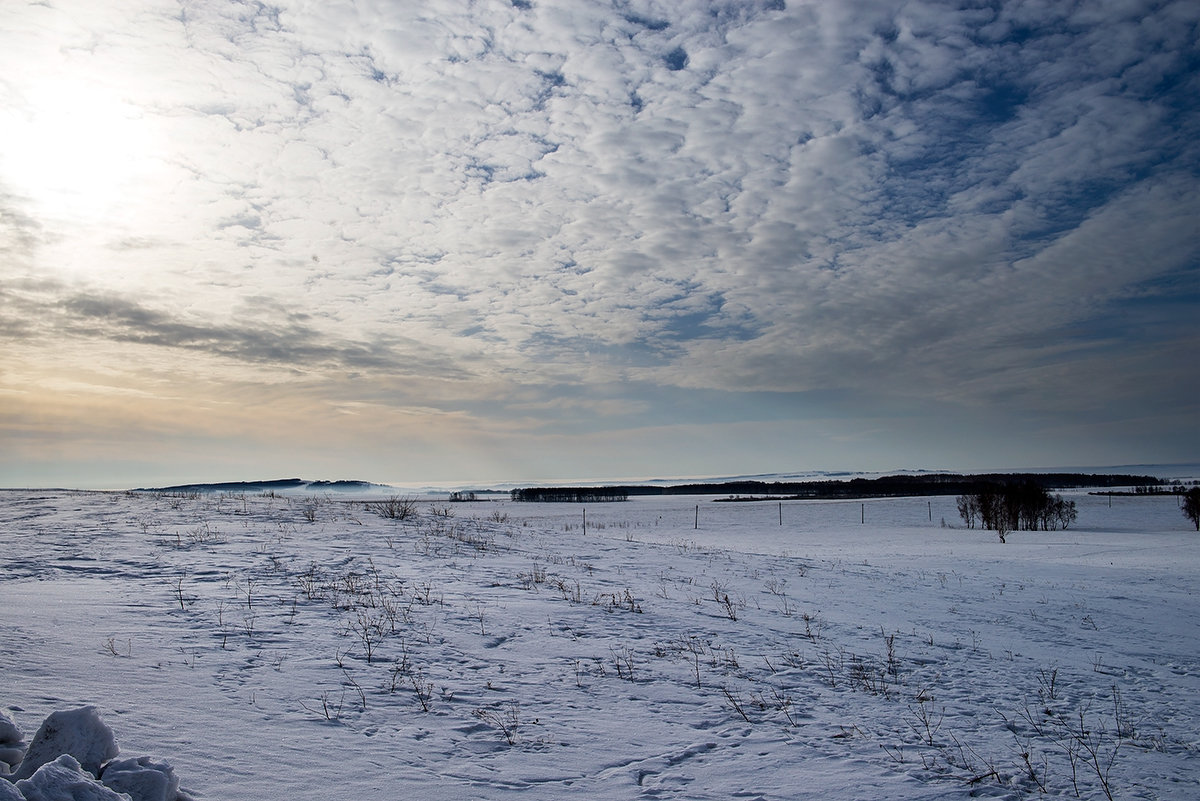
x=538, y=216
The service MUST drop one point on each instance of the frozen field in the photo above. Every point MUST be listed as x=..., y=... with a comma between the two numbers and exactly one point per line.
x=272, y=647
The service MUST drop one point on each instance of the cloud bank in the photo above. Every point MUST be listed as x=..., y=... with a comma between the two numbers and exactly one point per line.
x=563, y=237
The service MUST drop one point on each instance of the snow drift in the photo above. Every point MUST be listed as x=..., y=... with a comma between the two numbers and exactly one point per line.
x=314, y=649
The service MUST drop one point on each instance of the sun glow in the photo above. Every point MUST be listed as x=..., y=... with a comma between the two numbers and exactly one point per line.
x=75, y=149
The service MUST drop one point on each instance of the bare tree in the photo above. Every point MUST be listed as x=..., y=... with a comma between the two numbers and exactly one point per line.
x=968, y=508
x=1012, y=507
x=1191, y=506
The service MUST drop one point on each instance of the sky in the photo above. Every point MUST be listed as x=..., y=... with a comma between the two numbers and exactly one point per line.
x=472, y=240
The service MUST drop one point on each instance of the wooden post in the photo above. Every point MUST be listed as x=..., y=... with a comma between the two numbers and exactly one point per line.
x=863, y=517
x=585, y=521
x=930, y=503
x=781, y=513
x=697, y=524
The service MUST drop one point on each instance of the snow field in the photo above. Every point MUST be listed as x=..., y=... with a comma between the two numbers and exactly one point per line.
x=310, y=648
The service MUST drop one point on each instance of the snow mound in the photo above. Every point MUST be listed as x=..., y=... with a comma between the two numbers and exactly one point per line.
x=74, y=757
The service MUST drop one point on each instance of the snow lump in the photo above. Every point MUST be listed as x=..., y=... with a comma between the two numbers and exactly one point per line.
x=74, y=757
x=142, y=778
x=64, y=780
x=78, y=732
x=12, y=747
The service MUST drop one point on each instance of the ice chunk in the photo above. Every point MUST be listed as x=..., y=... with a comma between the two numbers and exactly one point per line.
x=143, y=778
x=10, y=757
x=12, y=749
x=9, y=793
x=9, y=733
x=78, y=732
x=65, y=780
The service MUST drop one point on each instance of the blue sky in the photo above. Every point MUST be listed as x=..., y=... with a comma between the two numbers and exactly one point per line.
x=470, y=240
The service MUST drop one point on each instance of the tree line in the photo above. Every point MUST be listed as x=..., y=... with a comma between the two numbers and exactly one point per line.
x=569, y=494
x=829, y=489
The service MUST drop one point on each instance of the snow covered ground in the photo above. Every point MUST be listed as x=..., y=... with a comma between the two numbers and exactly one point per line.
x=309, y=648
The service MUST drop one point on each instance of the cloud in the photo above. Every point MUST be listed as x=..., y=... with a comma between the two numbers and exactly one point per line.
x=259, y=332
x=491, y=209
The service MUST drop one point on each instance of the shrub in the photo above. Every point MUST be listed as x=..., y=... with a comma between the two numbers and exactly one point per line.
x=394, y=508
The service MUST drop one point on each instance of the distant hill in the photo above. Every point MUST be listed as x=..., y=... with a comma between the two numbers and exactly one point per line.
x=297, y=485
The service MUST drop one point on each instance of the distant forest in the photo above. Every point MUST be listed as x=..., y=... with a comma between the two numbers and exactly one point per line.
x=885, y=486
